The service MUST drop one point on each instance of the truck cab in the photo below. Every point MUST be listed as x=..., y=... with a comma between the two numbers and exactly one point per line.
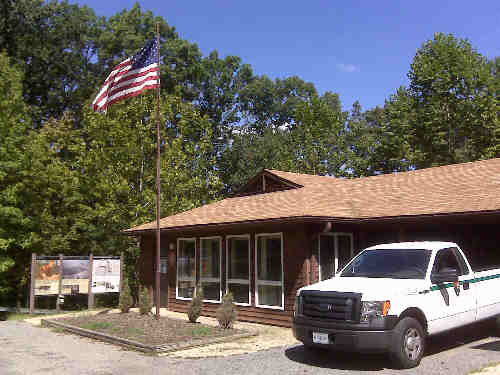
x=390, y=297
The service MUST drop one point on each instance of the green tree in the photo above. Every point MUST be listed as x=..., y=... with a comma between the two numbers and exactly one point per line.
x=318, y=138
x=455, y=103
x=15, y=123
x=219, y=84
x=271, y=104
x=54, y=43
x=249, y=153
x=66, y=51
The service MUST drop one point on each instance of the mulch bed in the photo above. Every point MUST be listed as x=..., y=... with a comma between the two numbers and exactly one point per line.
x=146, y=329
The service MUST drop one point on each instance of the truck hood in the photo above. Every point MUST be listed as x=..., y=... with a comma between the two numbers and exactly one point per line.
x=372, y=289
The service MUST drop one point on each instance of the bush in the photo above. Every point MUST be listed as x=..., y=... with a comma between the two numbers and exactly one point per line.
x=145, y=304
x=194, y=310
x=227, y=313
x=125, y=297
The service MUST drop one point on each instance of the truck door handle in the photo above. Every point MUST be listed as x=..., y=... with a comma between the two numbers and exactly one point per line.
x=466, y=285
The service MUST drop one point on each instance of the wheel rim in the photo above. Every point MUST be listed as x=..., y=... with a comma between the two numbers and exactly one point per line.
x=412, y=344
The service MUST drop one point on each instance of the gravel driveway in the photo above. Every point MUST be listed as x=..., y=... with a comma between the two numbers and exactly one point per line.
x=26, y=349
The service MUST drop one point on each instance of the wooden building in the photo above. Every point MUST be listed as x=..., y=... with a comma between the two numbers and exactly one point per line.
x=286, y=230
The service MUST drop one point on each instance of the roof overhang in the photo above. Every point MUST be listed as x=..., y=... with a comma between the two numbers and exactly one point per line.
x=319, y=219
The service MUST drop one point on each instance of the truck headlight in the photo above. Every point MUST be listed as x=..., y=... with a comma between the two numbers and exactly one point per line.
x=374, y=309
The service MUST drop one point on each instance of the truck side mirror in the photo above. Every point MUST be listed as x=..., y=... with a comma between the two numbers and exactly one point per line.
x=446, y=275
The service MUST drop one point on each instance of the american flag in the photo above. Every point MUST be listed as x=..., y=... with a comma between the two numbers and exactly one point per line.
x=130, y=78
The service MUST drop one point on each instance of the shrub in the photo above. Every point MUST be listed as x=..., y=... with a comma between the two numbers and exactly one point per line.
x=145, y=304
x=194, y=310
x=125, y=297
x=227, y=313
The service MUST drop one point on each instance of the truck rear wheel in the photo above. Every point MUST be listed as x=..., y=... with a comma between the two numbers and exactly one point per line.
x=408, y=343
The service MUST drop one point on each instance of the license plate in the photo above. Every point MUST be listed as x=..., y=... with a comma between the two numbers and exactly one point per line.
x=320, y=338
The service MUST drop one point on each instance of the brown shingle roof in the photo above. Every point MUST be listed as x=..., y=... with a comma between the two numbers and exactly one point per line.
x=459, y=188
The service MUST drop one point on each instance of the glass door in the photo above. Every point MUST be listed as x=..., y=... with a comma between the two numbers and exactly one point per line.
x=344, y=249
x=326, y=257
x=335, y=251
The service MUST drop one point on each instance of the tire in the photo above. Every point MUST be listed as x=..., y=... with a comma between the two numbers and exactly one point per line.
x=408, y=343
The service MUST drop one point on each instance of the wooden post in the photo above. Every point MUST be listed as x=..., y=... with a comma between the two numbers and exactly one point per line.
x=90, y=295
x=32, y=284
x=120, y=287
x=59, y=289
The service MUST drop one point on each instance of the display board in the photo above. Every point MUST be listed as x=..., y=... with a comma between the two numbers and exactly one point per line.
x=71, y=275
x=106, y=276
x=47, y=275
x=75, y=276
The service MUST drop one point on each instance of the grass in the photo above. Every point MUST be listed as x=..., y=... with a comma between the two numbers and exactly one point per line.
x=19, y=316
x=58, y=329
x=133, y=331
x=146, y=329
x=22, y=316
x=202, y=331
x=96, y=326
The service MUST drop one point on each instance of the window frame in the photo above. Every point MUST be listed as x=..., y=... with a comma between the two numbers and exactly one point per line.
x=270, y=283
x=220, y=268
x=240, y=281
x=177, y=266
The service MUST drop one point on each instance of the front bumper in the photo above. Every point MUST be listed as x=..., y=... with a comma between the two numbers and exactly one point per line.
x=375, y=337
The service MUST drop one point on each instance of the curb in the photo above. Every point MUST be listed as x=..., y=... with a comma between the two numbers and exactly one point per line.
x=152, y=349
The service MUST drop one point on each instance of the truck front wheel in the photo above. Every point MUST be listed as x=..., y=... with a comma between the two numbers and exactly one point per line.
x=408, y=343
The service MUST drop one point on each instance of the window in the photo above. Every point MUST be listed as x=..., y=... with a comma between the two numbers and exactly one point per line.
x=163, y=265
x=269, y=270
x=447, y=258
x=164, y=258
x=238, y=268
x=210, y=260
x=186, y=277
x=393, y=263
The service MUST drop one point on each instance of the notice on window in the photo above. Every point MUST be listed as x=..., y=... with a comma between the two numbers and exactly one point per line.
x=47, y=276
x=75, y=277
x=106, y=276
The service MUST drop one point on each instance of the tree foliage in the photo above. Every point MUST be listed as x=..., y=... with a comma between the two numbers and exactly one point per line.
x=15, y=122
x=71, y=180
x=455, y=106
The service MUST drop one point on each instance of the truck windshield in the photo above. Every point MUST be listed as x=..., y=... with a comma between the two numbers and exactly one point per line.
x=389, y=263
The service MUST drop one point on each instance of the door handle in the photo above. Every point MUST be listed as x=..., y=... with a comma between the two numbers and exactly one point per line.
x=466, y=285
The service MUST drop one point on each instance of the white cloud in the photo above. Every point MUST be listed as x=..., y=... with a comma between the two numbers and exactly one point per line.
x=347, y=68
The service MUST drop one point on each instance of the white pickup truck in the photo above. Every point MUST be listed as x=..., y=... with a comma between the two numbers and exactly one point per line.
x=390, y=297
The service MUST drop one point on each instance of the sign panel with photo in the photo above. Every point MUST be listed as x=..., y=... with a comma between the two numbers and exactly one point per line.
x=106, y=276
x=47, y=276
x=75, y=276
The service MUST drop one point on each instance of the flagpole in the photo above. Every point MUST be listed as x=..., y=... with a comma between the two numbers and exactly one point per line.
x=157, y=281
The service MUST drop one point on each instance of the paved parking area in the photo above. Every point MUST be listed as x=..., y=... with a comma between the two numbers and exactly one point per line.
x=27, y=349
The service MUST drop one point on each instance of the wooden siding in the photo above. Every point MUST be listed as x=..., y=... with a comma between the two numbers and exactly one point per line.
x=476, y=235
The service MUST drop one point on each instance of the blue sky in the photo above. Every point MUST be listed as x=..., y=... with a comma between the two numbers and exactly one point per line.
x=359, y=49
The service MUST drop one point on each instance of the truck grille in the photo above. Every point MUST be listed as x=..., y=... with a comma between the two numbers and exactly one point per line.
x=334, y=306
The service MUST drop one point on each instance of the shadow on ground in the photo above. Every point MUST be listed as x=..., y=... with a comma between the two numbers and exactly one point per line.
x=376, y=362
x=337, y=360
